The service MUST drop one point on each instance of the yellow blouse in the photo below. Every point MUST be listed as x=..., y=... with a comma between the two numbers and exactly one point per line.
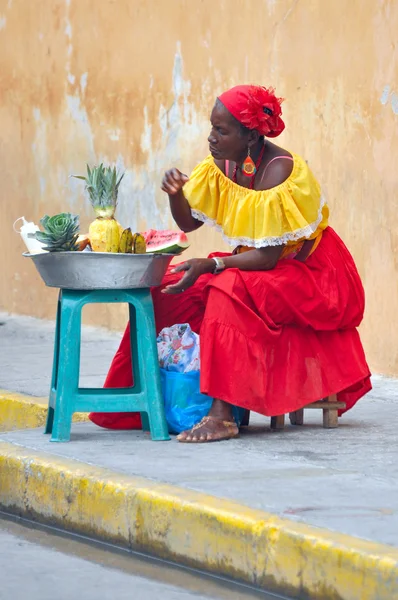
x=287, y=214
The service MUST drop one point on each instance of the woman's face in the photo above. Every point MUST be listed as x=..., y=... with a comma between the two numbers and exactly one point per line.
x=227, y=139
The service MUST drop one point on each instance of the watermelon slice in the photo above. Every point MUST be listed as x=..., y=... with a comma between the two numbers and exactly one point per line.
x=165, y=242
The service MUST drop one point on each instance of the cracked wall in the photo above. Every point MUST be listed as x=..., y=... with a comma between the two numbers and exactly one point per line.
x=133, y=82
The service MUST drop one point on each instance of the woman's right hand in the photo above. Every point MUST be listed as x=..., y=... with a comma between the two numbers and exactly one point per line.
x=173, y=181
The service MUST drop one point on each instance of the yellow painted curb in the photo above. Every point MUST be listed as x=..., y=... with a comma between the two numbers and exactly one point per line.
x=195, y=529
x=25, y=412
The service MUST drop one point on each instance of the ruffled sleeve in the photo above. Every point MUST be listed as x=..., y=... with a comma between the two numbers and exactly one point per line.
x=285, y=214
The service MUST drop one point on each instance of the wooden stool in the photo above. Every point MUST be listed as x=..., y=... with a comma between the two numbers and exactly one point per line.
x=329, y=405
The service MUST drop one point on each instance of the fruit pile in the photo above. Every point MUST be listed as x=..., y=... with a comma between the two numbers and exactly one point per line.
x=105, y=233
x=61, y=232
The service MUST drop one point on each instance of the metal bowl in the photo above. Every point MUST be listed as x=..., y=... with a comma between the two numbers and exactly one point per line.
x=100, y=270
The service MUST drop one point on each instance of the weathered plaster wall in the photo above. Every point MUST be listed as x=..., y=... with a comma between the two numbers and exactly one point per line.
x=133, y=82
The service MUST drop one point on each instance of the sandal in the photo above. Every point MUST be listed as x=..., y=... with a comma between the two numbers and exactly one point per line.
x=224, y=430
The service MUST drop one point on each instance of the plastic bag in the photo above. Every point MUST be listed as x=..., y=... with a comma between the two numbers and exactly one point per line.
x=179, y=360
x=179, y=349
x=185, y=406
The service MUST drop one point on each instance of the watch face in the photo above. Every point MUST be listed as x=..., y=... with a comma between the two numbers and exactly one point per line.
x=220, y=265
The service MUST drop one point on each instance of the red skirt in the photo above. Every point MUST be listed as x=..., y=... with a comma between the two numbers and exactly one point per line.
x=271, y=341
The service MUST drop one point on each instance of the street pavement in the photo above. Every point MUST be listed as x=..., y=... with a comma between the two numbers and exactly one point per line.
x=344, y=479
x=40, y=565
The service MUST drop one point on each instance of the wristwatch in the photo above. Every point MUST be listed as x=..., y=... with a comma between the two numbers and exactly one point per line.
x=220, y=265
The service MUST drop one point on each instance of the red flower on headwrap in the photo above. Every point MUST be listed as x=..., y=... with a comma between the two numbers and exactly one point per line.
x=256, y=107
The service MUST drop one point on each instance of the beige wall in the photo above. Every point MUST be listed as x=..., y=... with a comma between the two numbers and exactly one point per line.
x=133, y=81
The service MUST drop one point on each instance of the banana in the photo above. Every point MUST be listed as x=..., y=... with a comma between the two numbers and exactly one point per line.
x=132, y=244
x=112, y=236
x=139, y=244
x=126, y=242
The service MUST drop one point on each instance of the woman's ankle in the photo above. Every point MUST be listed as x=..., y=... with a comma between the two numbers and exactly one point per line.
x=221, y=410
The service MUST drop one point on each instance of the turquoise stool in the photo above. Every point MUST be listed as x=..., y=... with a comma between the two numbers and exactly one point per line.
x=67, y=398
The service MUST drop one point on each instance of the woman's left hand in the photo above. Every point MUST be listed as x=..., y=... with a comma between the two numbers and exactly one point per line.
x=192, y=270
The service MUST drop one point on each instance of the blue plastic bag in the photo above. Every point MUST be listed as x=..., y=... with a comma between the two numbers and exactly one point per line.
x=185, y=406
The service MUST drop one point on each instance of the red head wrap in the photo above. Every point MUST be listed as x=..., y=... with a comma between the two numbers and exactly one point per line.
x=256, y=108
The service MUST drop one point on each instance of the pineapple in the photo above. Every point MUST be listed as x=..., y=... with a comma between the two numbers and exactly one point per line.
x=102, y=184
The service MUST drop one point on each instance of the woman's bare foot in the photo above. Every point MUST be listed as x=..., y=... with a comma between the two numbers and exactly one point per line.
x=217, y=426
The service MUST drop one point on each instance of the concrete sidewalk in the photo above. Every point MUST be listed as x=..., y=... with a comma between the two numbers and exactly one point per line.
x=344, y=480
x=26, y=354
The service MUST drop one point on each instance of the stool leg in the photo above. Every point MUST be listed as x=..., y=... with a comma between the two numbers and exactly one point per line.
x=278, y=423
x=53, y=388
x=330, y=415
x=297, y=417
x=148, y=359
x=145, y=422
x=135, y=358
x=50, y=420
x=156, y=415
x=136, y=362
x=68, y=368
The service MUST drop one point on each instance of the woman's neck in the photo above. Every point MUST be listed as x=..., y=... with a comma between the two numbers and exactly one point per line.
x=254, y=153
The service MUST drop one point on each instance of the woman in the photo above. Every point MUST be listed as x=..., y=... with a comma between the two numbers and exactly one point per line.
x=277, y=317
